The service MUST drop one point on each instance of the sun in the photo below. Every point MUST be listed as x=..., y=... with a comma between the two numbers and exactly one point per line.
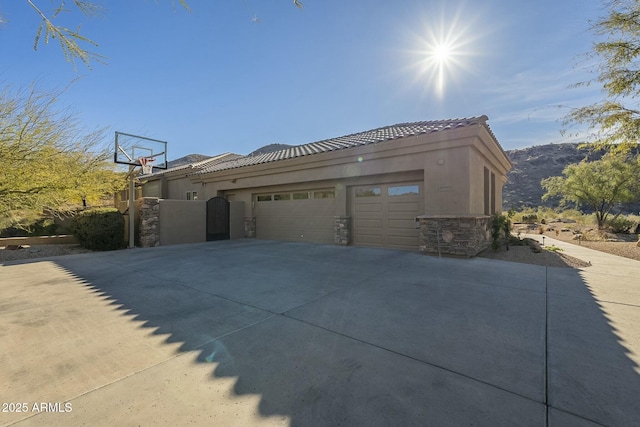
x=441, y=53
x=442, y=49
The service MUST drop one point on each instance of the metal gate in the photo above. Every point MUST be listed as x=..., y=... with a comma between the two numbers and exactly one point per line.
x=218, y=219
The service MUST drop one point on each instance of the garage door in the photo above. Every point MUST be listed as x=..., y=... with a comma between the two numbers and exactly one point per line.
x=297, y=216
x=384, y=215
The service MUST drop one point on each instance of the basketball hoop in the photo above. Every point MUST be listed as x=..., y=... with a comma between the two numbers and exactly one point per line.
x=147, y=164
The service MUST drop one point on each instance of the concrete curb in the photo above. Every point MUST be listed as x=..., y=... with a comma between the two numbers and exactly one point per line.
x=63, y=239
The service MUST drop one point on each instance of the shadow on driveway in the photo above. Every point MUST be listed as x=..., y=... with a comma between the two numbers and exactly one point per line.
x=266, y=332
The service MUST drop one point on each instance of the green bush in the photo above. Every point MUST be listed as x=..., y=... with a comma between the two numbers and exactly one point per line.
x=500, y=229
x=99, y=229
x=619, y=224
x=29, y=226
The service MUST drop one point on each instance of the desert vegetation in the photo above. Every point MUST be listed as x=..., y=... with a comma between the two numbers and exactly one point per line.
x=619, y=235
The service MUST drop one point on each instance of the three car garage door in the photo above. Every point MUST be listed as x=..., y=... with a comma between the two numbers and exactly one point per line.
x=384, y=215
x=381, y=215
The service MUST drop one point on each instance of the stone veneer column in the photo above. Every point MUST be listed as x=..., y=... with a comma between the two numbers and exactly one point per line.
x=454, y=235
x=342, y=230
x=250, y=227
x=149, y=222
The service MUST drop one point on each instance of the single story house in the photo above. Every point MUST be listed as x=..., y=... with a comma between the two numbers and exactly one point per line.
x=405, y=186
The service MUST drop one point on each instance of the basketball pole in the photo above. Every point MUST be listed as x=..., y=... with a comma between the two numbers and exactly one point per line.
x=132, y=200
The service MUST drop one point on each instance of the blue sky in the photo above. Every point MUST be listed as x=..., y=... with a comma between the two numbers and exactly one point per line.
x=214, y=80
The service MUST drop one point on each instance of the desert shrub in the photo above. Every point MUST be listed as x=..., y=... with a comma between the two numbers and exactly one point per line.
x=523, y=215
x=29, y=226
x=545, y=212
x=619, y=224
x=99, y=229
x=500, y=228
x=572, y=214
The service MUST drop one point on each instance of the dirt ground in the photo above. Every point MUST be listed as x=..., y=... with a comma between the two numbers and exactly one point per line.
x=624, y=245
x=526, y=255
x=39, y=251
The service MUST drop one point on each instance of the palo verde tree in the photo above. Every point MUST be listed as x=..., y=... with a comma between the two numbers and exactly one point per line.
x=603, y=185
x=616, y=118
x=46, y=159
x=73, y=44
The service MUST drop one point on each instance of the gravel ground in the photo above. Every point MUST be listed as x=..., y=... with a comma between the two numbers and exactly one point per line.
x=525, y=255
x=39, y=251
x=627, y=249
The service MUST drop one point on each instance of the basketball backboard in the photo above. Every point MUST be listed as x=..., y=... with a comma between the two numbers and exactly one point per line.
x=136, y=150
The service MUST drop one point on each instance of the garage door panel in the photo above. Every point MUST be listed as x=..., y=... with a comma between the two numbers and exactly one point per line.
x=403, y=242
x=402, y=224
x=298, y=220
x=369, y=223
x=411, y=206
x=370, y=239
x=388, y=219
x=369, y=207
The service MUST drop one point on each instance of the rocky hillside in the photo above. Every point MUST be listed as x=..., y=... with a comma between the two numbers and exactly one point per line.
x=532, y=164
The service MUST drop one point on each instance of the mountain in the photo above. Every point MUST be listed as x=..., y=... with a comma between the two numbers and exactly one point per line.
x=189, y=158
x=532, y=164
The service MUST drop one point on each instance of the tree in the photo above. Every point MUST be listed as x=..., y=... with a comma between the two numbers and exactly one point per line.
x=46, y=159
x=601, y=185
x=617, y=117
x=72, y=42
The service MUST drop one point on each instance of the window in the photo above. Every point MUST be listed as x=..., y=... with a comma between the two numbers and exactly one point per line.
x=327, y=194
x=493, y=193
x=368, y=192
x=301, y=196
x=402, y=190
x=192, y=195
x=298, y=195
x=487, y=193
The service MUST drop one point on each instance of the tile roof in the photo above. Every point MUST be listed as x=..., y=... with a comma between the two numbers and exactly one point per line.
x=195, y=166
x=374, y=136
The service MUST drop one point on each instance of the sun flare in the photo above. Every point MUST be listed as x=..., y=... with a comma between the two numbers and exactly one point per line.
x=443, y=51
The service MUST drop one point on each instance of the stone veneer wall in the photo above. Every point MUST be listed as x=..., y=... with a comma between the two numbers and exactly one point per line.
x=454, y=235
x=342, y=230
x=250, y=227
x=148, y=218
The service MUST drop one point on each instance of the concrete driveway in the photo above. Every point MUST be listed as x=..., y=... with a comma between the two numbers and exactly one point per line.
x=252, y=332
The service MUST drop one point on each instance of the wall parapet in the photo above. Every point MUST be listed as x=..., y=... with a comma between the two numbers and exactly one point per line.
x=460, y=235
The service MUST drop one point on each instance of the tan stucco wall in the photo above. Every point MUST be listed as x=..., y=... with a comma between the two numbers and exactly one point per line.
x=182, y=221
x=446, y=182
x=477, y=164
x=177, y=188
x=152, y=188
x=236, y=220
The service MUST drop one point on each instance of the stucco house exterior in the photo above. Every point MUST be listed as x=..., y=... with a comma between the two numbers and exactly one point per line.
x=405, y=186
